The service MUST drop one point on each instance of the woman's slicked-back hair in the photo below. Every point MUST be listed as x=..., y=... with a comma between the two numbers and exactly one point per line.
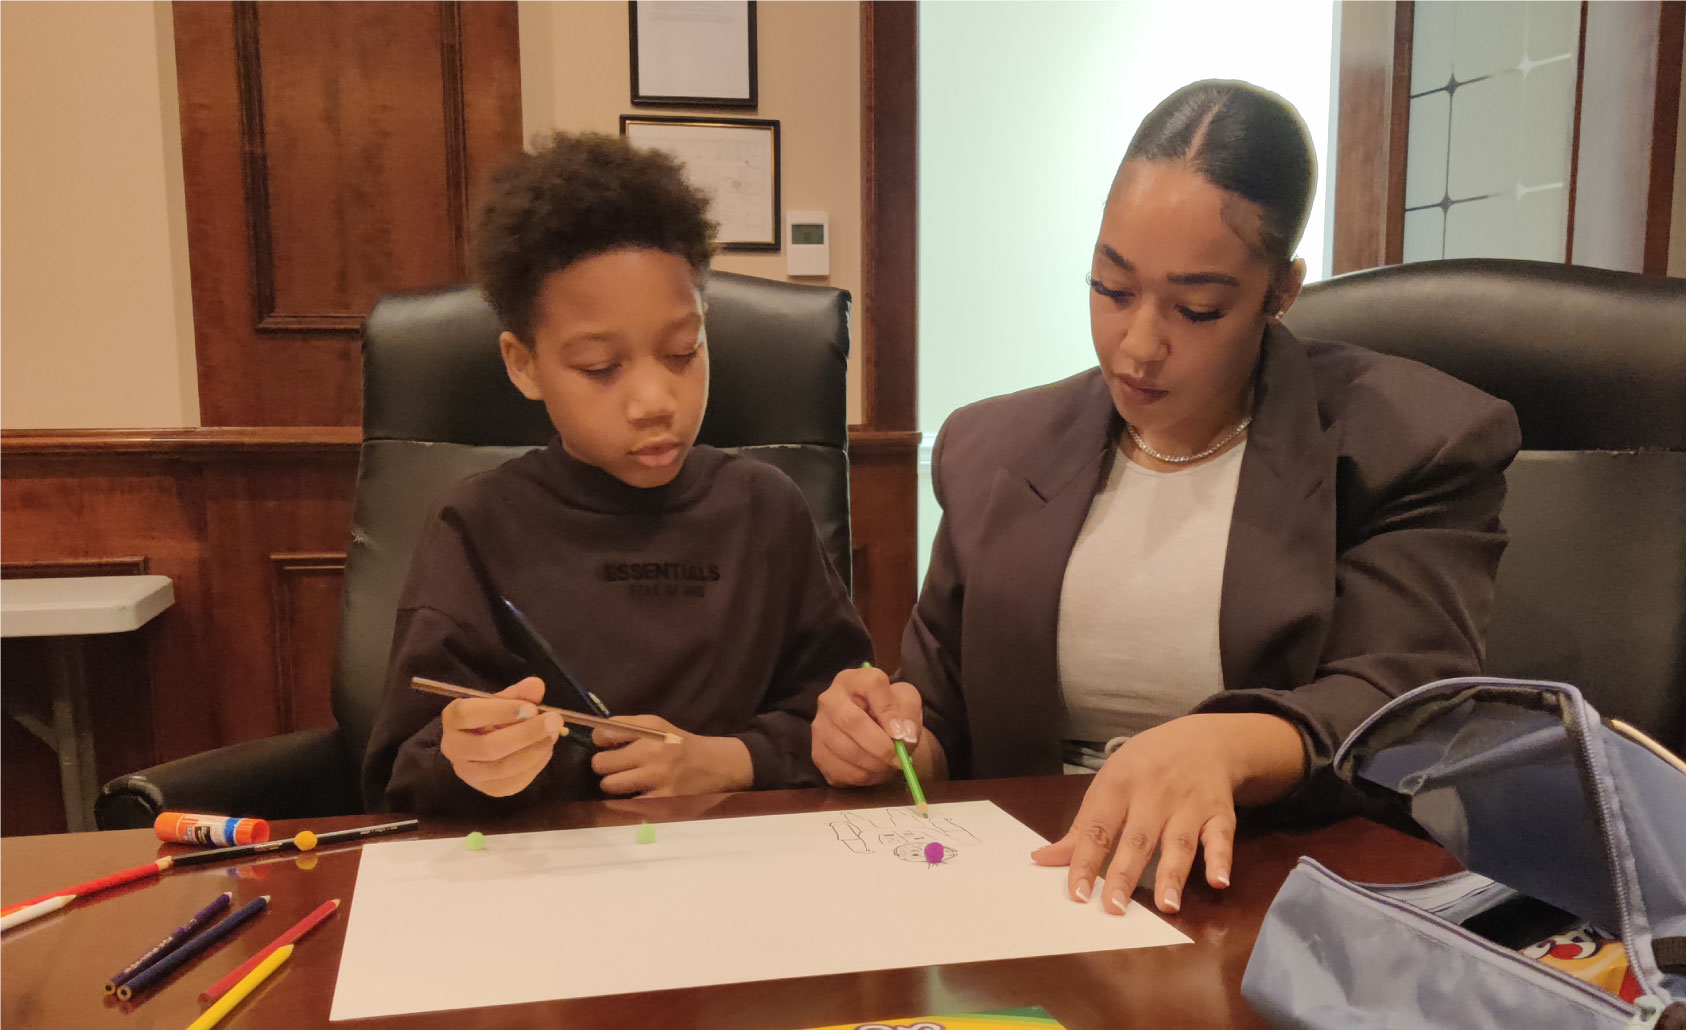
x=1243, y=139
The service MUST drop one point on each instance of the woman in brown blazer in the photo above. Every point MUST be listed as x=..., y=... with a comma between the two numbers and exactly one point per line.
x=1198, y=566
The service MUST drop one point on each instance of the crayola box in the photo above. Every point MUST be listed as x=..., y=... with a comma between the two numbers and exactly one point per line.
x=1002, y=1019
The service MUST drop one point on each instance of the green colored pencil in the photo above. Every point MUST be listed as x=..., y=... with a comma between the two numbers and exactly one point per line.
x=907, y=771
x=912, y=780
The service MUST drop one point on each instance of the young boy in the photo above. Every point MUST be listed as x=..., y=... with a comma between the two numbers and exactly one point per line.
x=683, y=586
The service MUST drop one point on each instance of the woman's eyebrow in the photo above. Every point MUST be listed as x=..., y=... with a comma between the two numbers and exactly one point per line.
x=1180, y=279
x=1203, y=279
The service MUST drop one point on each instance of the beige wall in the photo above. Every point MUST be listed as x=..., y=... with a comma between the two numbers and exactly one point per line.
x=96, y=321
x=575, y=75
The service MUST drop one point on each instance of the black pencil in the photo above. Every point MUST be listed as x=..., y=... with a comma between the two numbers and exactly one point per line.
x=332, y=837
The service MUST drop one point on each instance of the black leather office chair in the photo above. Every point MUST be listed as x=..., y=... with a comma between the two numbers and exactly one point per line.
x=437, y=407
x=1592, y=589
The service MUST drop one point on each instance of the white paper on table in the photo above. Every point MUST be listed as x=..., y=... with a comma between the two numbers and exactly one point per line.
x=578, y=913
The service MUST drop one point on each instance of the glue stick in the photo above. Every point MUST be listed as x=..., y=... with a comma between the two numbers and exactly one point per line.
x=222, y=830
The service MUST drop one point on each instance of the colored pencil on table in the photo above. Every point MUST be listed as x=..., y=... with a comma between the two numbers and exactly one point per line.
x=24, y=913
x=82, y=890
x=171, y=942
x=162, y=968
x=332, y=837
x=299, y=929
x=211, y=1016
x=428, y=686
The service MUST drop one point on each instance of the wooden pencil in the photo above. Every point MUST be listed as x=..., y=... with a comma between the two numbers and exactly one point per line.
x=451, y=690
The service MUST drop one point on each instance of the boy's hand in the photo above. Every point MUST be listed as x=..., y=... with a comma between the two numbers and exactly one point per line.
x=497, y=746
x=655, y=768
x=859, y=718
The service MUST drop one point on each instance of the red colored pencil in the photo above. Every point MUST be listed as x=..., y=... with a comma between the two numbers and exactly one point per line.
x=299, y=929
x=82, y=890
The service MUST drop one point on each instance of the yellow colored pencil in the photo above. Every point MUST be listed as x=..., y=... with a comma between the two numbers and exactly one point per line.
x=237, y=994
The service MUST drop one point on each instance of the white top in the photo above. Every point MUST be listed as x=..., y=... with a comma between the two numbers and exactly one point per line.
x=1138, y=634
x=77, y=605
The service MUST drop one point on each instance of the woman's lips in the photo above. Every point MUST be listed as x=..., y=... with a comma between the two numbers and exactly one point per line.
x=1140, y=390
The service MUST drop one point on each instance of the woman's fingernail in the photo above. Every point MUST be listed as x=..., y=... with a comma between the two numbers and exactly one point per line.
x=902, y=730
x=1118, y=901
x=526, y=711
x=1169, y=902
x=1221, y=879
x=1083, y=891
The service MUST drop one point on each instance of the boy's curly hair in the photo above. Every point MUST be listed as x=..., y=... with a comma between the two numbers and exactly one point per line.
x=577, y=196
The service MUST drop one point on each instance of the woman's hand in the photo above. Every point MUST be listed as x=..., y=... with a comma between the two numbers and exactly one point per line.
x=495, y=744
x=858, y=720
x=654, y=768
x=1173, y=789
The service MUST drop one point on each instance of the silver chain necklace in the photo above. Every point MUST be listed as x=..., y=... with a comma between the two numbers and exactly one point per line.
x=1172, y=459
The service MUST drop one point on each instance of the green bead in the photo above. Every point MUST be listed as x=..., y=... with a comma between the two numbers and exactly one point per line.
x=646, y=833
x=476, y=841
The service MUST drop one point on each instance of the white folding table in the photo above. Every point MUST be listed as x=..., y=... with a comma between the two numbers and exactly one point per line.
x=59, y=609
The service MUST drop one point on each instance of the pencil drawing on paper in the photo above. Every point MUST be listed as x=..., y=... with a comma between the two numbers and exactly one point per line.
x=902, y=832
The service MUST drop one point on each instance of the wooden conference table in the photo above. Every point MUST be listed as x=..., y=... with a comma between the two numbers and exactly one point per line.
x=52, y=970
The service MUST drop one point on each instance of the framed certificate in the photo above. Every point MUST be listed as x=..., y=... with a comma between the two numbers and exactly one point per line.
x=693, y=53
x=735, y=161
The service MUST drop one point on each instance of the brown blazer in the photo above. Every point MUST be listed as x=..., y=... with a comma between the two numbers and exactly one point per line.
x=1362, y=551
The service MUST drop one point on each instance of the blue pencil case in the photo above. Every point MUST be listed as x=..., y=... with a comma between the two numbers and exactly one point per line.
x=1572, y=832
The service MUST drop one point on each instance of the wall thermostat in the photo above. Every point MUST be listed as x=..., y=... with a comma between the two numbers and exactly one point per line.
x=807, y=243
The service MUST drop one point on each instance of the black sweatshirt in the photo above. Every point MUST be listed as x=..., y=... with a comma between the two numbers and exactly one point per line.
x=707, y=602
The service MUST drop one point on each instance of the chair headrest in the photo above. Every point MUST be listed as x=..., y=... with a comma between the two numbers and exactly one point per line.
x=777, y=352
x=1591, y=359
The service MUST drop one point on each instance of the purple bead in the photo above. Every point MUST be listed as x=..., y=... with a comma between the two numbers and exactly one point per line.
x=933, y=852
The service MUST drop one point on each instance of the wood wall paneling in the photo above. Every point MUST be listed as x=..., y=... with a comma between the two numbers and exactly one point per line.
x=1625, y=156
x=1372, y=127
x=883, y=511
x=890, y=215
x=884, y=453
x=1665, y=127
x=246, y=523
x=331, y=153
x=305, y=610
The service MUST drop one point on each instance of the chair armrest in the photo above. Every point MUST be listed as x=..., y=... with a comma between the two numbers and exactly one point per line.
x=292, y=776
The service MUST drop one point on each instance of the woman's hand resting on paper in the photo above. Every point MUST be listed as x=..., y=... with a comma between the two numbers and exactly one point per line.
x=1173, y=790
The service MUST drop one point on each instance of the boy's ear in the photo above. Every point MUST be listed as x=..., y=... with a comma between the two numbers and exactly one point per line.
x=518, y=362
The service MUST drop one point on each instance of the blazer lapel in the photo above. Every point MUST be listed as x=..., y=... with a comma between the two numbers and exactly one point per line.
x=1010, y=659
x=1278, y=583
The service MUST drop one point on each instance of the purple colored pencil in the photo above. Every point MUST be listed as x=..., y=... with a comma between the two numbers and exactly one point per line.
x=158, y=970
x=173, y=941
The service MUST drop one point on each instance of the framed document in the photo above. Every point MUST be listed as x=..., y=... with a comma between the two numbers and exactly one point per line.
x=693, y=53
x=735, y=161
